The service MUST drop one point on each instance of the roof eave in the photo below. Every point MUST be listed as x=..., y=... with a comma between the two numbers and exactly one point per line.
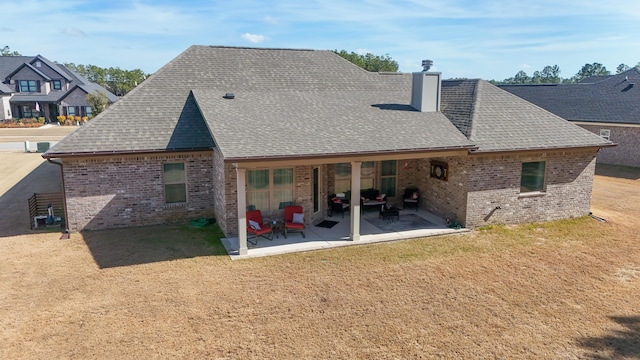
x=406, y=152
x=53, y=155
x=578, y=147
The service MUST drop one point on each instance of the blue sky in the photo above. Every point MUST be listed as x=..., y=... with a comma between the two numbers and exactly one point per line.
x=489, y=39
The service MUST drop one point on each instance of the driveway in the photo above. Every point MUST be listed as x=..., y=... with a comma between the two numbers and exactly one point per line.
x=25, y=173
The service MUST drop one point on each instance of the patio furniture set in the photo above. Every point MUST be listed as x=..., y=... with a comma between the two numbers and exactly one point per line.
x=257, y=227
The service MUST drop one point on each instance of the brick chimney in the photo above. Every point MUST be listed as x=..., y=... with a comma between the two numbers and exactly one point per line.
x=425, y=89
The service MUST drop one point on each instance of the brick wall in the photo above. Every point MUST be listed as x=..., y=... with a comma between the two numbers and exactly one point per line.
x=447, y=199
x=494, y=181
x=123, y=191
x=478, y=184
x=627, y=152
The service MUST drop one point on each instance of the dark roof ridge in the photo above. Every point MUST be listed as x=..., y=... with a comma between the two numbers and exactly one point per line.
x=255, y=48
x=474, y=104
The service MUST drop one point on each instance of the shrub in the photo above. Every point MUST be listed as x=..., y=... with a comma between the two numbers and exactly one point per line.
x=61, y=118
x=77, y=118
x=85, y=118
x=41, y=120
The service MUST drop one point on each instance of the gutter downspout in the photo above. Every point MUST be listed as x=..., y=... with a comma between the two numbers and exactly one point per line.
x=64, y=200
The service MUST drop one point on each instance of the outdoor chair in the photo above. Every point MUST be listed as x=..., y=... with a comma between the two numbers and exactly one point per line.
x=293, y=219
x=257, y=227
x=411, y=197
x=337, y=205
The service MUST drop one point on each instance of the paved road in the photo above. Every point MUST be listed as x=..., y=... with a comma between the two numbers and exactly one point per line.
x=22, y=174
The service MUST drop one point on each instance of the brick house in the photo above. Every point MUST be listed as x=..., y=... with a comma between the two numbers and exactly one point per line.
x=221, y=129
x=33, y=86
x=605, y=105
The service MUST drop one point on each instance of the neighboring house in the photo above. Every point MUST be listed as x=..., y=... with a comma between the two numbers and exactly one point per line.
x=220, y=129
x=605, y=105
x=32, y=87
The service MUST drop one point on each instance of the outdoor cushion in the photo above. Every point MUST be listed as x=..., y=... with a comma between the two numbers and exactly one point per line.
x=255, y=225
x=298, y=218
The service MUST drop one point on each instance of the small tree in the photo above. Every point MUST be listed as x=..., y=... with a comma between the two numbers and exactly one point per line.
x=588, y=70
x=98, y=101
x=370, y=62
x=6, y=51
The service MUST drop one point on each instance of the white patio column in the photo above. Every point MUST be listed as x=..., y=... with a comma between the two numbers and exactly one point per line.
x=355, y=200
x=241, y=181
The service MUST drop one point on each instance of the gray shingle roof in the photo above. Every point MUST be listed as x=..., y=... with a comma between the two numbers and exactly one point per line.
x=11, y=64
x=306, y=103
x=612, y=100
x=502, y=121
x=5, y=89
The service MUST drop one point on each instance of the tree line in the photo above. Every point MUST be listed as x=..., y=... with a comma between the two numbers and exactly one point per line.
x=551, y=74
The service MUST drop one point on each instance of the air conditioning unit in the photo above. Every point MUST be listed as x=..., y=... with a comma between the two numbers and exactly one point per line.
x=43, y=146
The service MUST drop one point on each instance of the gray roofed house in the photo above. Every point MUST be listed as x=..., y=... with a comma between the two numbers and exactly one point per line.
x=222, y=130
x=55, y=89
x=605, y=105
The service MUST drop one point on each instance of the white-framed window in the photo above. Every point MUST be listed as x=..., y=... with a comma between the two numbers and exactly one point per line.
x=533, y=177
x=71, y=111
x=370, y=172
x=175, y=184
x=342, y=177
x=367, y=175
x=388, y=175
x=269, y=189
x=605, y=134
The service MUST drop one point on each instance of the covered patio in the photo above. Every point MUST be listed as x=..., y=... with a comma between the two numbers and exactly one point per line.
x=411, y=224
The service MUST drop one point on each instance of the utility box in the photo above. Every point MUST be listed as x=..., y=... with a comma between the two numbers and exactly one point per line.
x=43, y=146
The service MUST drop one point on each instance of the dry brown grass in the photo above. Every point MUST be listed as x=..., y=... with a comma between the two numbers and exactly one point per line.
x=563, y=290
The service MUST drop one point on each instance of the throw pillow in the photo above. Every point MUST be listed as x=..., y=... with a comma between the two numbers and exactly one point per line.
x=414, y=196
x=381, y=197
x=337, y=200
x=298, y=218
x=254, y=225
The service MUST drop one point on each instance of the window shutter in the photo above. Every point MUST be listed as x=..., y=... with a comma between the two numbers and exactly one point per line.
x=38, y=85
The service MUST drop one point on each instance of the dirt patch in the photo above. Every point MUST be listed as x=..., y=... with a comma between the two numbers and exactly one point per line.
x=563, y=290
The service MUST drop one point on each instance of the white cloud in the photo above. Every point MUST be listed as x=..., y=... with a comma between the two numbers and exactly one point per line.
x=71, y=31
x=253, y=38
x=271, y=20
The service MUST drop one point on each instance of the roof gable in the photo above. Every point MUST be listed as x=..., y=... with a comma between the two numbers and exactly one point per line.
x=30, y=67
x=53, y=66
x=502, y=121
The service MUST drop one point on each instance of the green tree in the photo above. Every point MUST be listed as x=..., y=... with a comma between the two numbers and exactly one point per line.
x=370, y=62
x=521, y=78
x=622, y=68
x=98, y=101
x=116, y=80
x=6, y=51
x=551, y=74
x=595, y=69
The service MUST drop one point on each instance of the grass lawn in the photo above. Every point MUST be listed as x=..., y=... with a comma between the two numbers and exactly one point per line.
x=561, y=290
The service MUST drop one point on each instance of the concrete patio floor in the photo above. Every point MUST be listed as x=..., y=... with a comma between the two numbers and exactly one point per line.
x=324, y=238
